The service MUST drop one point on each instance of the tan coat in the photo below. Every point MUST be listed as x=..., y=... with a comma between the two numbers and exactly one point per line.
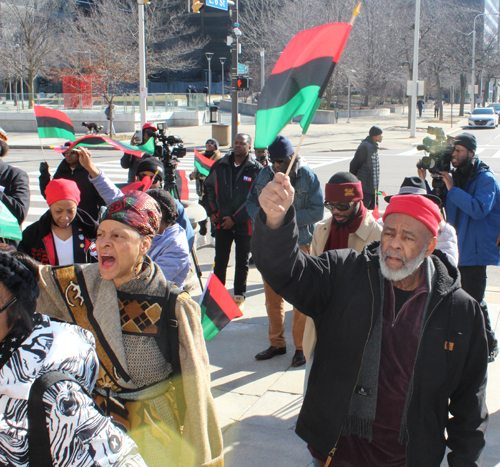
x=367, y=232
x=140, y=357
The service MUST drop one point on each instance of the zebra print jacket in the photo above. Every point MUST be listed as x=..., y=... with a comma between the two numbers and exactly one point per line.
x=79, y=434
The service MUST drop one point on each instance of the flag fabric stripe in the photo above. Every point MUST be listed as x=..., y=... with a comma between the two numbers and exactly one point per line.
x=210, y=330
x=9, y=227
x=202, y=163
x=90, y=140
x=272, y=119
x=41, y=111
x=182, y=185
x=324, y=41
x=281, y=88
x=299, y=79
x=215, y=313
x=53, y=124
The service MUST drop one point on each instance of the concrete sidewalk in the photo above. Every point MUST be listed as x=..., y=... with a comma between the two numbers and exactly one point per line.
x=320, y=138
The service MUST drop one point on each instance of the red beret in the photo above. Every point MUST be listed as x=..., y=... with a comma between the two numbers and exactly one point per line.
x=418, y=207
x=59, y=189
x=343, y=192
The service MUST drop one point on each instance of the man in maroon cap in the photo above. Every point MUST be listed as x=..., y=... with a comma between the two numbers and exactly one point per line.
x=350, y=226
x=399, y=372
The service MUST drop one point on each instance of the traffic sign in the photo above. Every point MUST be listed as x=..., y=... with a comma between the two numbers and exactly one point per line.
x=219, y=4
x=242, y=69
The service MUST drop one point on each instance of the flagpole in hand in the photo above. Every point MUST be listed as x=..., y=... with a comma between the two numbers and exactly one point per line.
x=355, y=13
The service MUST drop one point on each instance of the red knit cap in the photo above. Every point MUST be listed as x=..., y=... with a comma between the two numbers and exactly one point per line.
x=418, y=207
x=59, y=189
x=343, y=192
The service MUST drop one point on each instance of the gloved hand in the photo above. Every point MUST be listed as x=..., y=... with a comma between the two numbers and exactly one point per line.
x=44, y=168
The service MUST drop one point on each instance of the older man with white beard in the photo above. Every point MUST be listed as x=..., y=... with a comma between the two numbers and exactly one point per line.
x=400, y=363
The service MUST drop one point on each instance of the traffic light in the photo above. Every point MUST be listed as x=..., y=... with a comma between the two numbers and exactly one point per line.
x=243, y=83
x=197, y=5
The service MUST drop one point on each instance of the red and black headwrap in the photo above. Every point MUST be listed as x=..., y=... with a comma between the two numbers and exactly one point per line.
x=137, y=210
x=343, y=192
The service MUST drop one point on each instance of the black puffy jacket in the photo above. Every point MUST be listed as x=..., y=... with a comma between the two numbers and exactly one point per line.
x=340, y=290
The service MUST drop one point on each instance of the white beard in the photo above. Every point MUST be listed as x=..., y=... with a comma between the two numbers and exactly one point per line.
x=406, y=270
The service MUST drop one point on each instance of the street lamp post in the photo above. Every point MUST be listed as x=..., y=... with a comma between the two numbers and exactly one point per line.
x=21, y=77
x=234, y=70
x=222, y=61
x=209, y=56
x=473, y=78
x=262, y=68
x=413, y=109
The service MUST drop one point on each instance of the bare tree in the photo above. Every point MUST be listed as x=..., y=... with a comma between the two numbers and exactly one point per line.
x=29, y=28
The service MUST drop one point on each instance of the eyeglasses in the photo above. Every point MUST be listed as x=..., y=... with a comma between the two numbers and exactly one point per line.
x=342, y=207
x=9, y=303
x=277, y=161
x=141, y=176
x=210, y=141
x=151, y=133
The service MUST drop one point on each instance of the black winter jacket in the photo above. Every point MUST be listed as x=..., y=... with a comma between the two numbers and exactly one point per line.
x=340, y=290
x=16, y=193
x=38, y=240
x=224, y=199
x=365, y=165
x=90, y=200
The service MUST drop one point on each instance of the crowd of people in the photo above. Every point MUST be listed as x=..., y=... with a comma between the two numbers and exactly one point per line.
x=389, y=316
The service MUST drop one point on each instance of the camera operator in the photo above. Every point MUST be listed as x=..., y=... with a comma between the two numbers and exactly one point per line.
x=472, y=201
x=129, y=161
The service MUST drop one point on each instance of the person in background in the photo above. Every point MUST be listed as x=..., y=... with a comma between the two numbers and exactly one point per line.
x=154, y=374
x=169, y=248
x=309, y=208
x=110, y=117
x=31, y=346
x=129, y=161
x=226, y=190
x=71, y=169
x=213, y=153
x=436, y=108
x=262, y=156
x=64, y=234
x=14, y=185
x=365, y=165
x=420, y=106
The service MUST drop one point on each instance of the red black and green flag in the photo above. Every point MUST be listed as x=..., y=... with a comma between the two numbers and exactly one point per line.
x=202, y=163
x=299, y=80
x=53, y=123
x=217, y=308
x=91, y=140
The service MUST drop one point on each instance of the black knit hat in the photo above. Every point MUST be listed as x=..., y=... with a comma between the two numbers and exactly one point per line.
x=19, y=280
x=414, y=186
x=151, y=164
x=467, y=140
x=280, y=148
x=375, y=131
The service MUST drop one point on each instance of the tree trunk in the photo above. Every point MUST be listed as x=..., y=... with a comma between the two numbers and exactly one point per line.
x=440, y=97
x=31, y=88
x=463, y=86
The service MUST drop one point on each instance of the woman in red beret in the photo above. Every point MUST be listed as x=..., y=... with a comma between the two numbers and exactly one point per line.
x=64, y=234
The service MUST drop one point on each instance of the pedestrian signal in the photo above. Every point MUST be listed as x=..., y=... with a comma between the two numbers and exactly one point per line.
x=243, y=83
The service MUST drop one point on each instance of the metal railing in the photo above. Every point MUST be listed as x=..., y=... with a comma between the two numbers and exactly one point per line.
x=126, y=103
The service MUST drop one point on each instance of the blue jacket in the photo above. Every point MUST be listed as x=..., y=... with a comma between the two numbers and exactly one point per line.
x=475, y=214
x=308, y=200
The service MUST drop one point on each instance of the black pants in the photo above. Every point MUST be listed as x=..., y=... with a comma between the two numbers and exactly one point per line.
x=370, y=201
x=473, y=280
x=223, y=241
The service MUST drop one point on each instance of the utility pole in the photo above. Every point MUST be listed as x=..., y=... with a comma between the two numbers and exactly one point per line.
x=262, y=68
x=413, y=105
x=234, y=77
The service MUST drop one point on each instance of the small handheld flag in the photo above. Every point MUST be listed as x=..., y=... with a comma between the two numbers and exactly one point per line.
x=53, y=123
x=90, y=140
x=217, y=308
x=202, y=163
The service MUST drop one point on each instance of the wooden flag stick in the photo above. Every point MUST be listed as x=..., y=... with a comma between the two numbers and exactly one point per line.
x=355, y=13
x=295, y=154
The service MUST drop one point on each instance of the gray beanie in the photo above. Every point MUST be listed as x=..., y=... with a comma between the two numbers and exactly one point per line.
x=375, y=131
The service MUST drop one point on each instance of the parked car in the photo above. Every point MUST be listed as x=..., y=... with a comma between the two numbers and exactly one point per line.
x=483, y=118
x=496, y=108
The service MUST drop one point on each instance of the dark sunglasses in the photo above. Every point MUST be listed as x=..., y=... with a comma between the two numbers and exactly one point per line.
x=9, y=303
x=151, y=133
x=210, y=141
x=277, y=161
x=141, y=176
x=342, y=207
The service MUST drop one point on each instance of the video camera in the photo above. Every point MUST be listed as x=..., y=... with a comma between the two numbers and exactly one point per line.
x=168, y=152
x=439, y=149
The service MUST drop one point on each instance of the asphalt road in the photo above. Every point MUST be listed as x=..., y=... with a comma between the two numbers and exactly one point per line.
x=394, y=165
